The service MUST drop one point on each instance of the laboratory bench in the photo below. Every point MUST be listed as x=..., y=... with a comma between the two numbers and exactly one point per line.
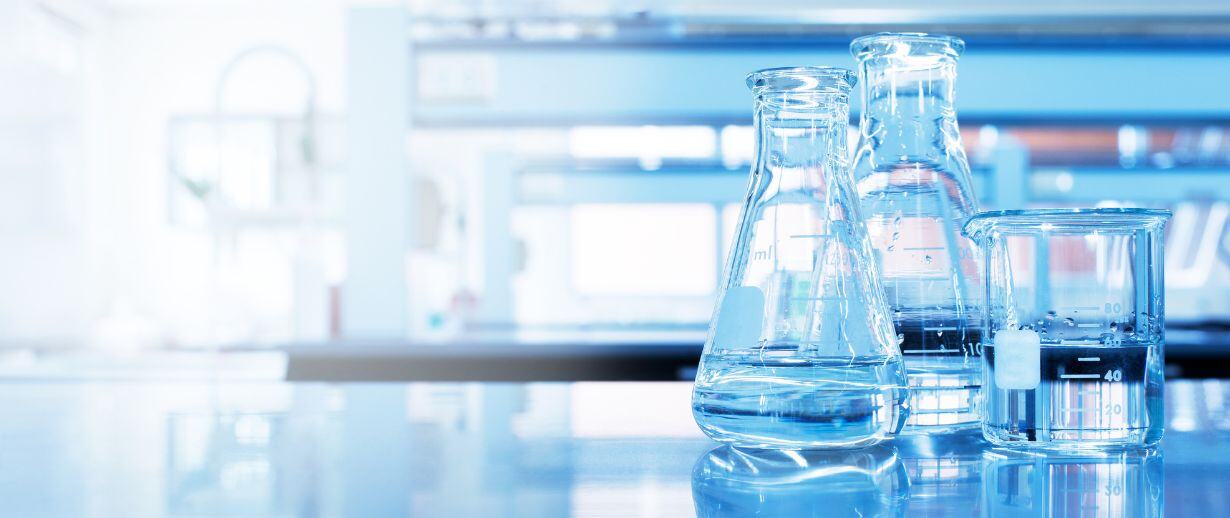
x=220, y=444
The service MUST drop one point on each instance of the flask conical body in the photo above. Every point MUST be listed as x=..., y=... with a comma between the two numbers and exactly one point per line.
x=915, y=189
x=800, y=352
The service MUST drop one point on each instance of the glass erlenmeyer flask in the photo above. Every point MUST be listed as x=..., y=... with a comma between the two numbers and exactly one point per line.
x=800, y=353
x=914, y=184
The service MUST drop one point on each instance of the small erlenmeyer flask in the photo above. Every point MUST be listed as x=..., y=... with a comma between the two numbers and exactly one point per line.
x=915, y=189
x=800, y=352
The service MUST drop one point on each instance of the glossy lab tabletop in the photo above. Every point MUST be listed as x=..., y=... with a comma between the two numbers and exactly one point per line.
x=196, y=448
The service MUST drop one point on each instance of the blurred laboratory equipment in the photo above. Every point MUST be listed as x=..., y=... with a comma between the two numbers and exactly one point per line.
x=1195, y=261
x=914, y=184
x=732, y=482
x=1124, y=484
x=1202, y=405
x=800, y=352
x=1074, y=317
x=945, y=472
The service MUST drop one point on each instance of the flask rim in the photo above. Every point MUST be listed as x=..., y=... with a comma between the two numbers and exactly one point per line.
x=885, y=44
x=802, y=80
x=1068, y=221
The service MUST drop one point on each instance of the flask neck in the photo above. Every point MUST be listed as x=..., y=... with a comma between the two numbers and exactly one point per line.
x=801, y=140
x=907, y=106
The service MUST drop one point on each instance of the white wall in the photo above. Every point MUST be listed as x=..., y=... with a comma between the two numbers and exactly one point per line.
x=89, y=254
x=44, y=266
x=160, y=59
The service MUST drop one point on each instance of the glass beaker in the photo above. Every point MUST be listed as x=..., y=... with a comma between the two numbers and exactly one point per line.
x=1073, y=324
x=914, y=185
x=800, y=351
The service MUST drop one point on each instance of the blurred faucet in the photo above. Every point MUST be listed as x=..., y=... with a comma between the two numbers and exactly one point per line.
x=307, y=143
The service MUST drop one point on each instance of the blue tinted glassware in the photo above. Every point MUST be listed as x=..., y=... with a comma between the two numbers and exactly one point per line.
x=800, y=351
x=914, y=184
x=1073, y=327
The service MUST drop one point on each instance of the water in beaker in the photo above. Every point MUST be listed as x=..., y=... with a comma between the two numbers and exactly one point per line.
x=800, y=352
x=1074, y=315
x=915, y=188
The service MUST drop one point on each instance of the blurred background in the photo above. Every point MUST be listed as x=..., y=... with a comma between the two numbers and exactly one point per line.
x=340, y=182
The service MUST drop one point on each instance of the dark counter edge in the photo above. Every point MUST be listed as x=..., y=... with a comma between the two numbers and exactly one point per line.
x=512, y=363
x=575, y=362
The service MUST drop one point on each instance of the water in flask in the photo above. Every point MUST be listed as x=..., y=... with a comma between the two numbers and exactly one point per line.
x=800, y=353
x=797, y=402
x=914, y=184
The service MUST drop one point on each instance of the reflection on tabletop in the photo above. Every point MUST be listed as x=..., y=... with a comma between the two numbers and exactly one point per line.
x=239, y=448
x=921, y=476
x=732, y=482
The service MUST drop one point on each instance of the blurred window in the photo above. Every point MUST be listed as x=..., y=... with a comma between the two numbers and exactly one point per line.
x=738, y=145
x=643, y=249
x=1126, y=145
x=649, y=144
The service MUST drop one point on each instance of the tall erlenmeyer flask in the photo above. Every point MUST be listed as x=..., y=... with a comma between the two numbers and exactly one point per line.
x=914, y=184
x=800, y=353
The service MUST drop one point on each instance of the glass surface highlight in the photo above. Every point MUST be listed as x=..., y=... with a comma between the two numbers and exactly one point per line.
x=800, y=352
